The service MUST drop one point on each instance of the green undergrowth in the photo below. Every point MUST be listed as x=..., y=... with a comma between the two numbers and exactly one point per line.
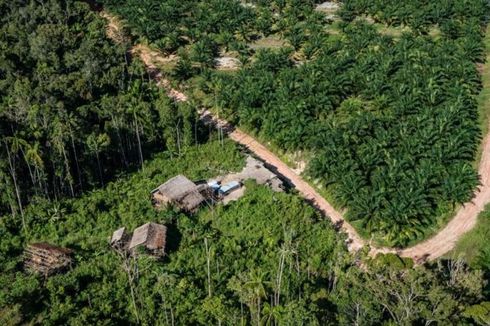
x=473, y=246
x=241, y=243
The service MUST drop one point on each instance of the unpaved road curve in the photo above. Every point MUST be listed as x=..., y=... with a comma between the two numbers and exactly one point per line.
x=430, y=249
x=308, y=192
x=464, y=220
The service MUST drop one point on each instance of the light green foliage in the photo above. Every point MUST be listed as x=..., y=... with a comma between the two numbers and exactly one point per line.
x=267, y=258
x=479, y=313
x=265, y=245
x=431, y=294
x=474, y=246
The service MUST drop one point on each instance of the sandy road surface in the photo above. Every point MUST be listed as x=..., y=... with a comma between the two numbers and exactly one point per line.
x=308, y=192
x=432, y=248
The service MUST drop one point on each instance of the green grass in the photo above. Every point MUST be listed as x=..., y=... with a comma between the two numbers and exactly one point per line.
x=394, y=31
x=474, y=242
x=270, y=42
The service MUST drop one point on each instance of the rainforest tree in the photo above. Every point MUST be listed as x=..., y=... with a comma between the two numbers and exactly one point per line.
x=74, y=107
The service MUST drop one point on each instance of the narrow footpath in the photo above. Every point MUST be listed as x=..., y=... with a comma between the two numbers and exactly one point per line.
x=430, y=249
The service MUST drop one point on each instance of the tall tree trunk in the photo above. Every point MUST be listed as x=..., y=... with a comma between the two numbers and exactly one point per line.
x=258, y=311
x=121, y=143
x=208, y=261
x=79, y=173
x=177, y=131
x=9, y=198
x=99, y=168
x=31, y=174
x=17, y=191
x=68, y=171
x=140, y=151
x=279, y=277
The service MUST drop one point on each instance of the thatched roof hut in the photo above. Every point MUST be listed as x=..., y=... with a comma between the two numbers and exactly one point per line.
x=152, y=236
x=46, y=258
x=179, y=191
x=120, y=238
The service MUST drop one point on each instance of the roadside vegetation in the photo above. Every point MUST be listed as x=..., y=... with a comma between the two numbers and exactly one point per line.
x=484, y=97
x=387, y=104
x=473, y=246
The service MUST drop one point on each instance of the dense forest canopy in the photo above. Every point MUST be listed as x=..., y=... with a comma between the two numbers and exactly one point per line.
x=74, y=108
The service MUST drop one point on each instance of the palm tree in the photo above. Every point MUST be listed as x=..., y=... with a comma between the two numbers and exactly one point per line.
x=256, y=287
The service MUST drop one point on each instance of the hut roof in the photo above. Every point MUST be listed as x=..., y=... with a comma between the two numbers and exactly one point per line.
x=177, y=187
x=183, y=192
x=43, y=246
x=151, y=235
x=45, y=258
x=191, y=201
x=118, y=235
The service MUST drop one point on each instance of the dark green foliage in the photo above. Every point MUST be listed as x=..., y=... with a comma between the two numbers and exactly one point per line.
x=247, y=242
x=201, y=27
x=392, y=122
x=172, y=24
x=74, y=110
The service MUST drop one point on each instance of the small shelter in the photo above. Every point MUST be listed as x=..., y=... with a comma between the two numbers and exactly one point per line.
x=152, y=236
x=181, y=192
x=120, y=238
x=46, y=259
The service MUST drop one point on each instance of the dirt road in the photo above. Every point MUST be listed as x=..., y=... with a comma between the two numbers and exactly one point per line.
x=430, y=249
x=355, y=242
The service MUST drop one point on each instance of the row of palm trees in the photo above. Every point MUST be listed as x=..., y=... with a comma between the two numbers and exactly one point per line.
x=393, y=123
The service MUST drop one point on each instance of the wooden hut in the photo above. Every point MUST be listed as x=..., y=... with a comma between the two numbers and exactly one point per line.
x=46, y=259
x=152, y=237
x=180, y=192
x=120, y=238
